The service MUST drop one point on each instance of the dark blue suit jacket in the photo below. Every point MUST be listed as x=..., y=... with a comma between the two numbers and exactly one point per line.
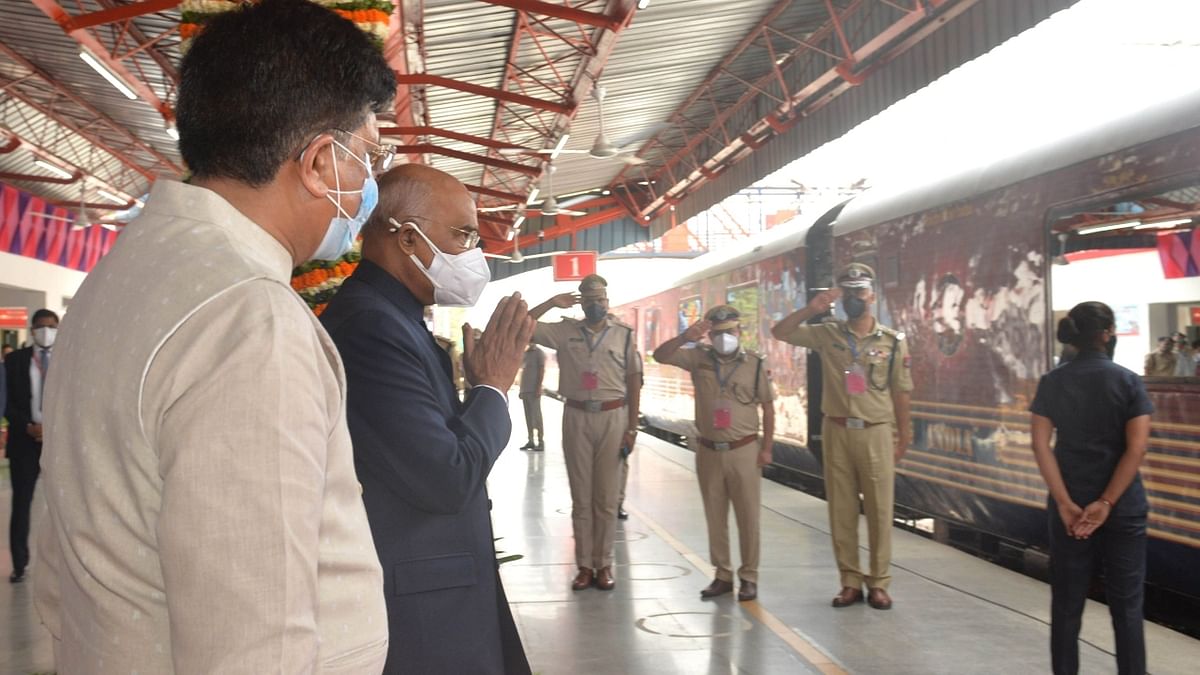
x=423, y=456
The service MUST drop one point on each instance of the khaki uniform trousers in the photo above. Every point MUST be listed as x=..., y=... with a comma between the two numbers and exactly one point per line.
x=592, y=449
x=533, y=416
x=860, y=461
x=725, y=477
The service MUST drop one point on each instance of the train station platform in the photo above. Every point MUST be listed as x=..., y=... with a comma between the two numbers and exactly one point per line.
x=953, y=613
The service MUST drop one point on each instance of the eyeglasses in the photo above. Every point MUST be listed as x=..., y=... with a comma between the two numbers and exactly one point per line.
x=467, y=239
x=381, y=156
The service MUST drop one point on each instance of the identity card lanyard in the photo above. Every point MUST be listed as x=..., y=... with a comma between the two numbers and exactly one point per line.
x=723, y=408
x=591, y=379
x=856, y=379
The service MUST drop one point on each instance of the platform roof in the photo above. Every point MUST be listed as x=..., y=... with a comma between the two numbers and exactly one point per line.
x=697, y=90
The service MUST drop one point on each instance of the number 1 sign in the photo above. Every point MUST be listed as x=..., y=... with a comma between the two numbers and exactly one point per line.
x=574, y=265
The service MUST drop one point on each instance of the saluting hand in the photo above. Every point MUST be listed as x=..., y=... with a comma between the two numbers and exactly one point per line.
x=565, y=300
x=697, y=330
x=822, y=301
x=494, y=358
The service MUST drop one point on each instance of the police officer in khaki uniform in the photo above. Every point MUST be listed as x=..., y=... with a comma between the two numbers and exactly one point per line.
x=731, y=385
x=533, y=371
x=865, y=389
x=600, y=377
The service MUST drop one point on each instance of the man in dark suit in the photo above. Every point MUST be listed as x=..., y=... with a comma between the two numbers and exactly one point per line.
x=25, y=379
x=422, y=455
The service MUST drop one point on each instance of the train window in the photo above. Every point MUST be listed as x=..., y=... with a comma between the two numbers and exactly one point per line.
x=650, y=330
x=1139, y=253
x=691, y=310
x=745, y=298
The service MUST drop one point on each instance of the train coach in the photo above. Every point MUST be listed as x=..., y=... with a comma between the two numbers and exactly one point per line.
x=966, y=267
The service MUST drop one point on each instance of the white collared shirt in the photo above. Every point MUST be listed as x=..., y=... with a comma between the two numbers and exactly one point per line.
x=35, y=382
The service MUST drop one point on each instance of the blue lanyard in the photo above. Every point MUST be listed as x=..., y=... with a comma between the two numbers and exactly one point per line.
x=717, y=367
x=587, y=338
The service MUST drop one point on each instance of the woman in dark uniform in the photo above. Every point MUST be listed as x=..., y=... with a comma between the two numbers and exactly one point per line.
x=1097, y=508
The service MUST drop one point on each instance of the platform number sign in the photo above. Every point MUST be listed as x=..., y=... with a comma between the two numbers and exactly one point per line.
x=574, y=265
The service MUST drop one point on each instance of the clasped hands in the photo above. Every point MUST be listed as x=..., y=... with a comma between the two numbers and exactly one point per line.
x=495, y=356
x=1080, y=523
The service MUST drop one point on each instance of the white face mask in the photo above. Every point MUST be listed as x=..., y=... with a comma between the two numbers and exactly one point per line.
x=44, y=337
x=458, y=280
x=725, y=343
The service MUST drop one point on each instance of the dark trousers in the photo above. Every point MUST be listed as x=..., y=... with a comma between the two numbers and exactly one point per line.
x=1120, y=546
x=23, y=467
x=533, y=417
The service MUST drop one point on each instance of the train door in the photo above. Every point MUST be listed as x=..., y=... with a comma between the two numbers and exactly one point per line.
x=1139, y=252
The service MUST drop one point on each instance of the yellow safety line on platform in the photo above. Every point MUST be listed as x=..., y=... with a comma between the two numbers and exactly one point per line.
x=802, y=646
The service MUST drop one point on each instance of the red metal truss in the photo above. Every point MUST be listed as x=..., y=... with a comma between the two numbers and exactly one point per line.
x=36, y=89
x=556, y=52
x=113, y=38
x=37, y=145
x=722, y=122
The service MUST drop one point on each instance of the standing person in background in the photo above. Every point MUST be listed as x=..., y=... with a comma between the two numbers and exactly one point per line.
x=25, y=371
x=731, y=386
x=204, y=513
x=601, y=378
x=1185, y=363
x=865, y=385
x=1099, y=413
x=533, y=372
x=1162, y=361
x=423, y=455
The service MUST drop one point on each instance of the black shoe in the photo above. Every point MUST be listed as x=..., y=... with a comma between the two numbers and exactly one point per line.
x=16, y=577
x=539, y=448
x=528, y=446
x=621, y=514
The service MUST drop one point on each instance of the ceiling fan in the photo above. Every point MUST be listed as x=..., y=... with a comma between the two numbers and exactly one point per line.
x=602, y=148
x=548, y=207
x=80, y=219
x=518, y=257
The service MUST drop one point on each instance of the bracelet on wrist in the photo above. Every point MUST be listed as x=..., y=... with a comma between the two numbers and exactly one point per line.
x=1105, y=502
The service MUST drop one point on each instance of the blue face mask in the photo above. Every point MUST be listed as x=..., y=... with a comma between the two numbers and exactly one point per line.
x=343, y=229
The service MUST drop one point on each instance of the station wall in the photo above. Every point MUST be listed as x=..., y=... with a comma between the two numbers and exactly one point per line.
x=34, y=284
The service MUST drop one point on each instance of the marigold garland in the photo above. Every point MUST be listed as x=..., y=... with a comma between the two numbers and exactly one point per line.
x=372, y=16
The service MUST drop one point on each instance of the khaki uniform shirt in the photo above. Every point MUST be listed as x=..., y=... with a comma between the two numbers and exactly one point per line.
x=873, y=354
x=1159, y=364
x=204, y=513
x=595, y=371
x=746, y=387
x=533, y=369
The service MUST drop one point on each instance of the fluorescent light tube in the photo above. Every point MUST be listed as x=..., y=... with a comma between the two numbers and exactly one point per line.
x=511, y=235
x=517, y=223
x=110, y=196
x=1163, y=224
x=52, y=168
x=107, y=74
x=558, y=148
x=533, y=195
x=1107, y=228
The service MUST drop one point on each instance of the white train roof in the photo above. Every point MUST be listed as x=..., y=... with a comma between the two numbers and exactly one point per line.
x=879, y=205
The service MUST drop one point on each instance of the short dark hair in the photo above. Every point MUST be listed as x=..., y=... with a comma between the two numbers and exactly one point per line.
x=43, y=314
x=259, y=82
x=1083, y=325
